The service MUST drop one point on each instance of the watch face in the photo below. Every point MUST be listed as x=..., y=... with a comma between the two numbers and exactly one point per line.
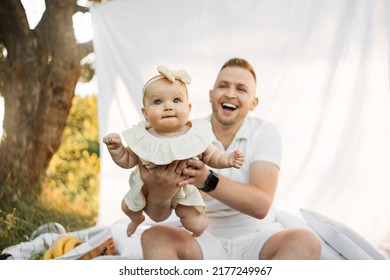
x=212, y=182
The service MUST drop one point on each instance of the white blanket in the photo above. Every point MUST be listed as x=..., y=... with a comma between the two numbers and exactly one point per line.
x=338, y=241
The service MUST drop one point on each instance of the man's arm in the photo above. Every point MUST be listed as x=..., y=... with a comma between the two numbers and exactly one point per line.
x=254, y=198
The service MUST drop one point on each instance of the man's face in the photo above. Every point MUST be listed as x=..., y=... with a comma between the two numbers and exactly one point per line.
x=233, y=95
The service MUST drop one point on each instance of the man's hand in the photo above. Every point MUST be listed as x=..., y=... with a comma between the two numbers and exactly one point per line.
x=195, y=172
x=161, y=186
x=162, y=182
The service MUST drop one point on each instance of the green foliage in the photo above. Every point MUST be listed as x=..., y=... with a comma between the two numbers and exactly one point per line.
x=70, y=192
x=87, y=72
x=72, y=182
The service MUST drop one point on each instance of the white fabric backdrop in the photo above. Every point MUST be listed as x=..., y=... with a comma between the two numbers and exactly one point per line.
x=323, y=80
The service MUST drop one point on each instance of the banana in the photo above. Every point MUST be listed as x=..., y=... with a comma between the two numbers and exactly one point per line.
x=72, y=243
x=59, y=245
x=48, y=254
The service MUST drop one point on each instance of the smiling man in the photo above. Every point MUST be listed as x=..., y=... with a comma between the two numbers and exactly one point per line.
x=239, y=203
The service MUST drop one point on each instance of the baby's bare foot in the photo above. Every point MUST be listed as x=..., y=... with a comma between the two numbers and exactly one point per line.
x=133, y=225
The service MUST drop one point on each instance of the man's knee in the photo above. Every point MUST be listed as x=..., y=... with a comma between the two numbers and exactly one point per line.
x=310, y=243
x=151, y=234
x=165, y=242
x=156, y=243
x=297, y=243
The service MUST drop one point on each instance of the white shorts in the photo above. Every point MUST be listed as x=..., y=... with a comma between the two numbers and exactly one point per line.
x=244, y=247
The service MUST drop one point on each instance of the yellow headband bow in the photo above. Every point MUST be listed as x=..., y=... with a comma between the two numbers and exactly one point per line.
x=180, y=75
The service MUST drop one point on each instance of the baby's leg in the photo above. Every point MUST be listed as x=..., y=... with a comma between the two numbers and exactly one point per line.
x=191, y=219
x=136, y=218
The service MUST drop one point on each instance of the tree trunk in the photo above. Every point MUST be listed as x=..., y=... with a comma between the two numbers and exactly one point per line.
x=41, y=71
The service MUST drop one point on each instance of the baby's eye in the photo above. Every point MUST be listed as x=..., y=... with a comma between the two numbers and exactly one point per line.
x=176, y=100
x=157, y=102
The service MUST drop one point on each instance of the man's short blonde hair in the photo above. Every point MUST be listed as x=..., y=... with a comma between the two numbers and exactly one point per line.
x=242, y=63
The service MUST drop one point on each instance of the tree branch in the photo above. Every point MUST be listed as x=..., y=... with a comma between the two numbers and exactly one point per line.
x=82, y=9
x=13, y=22
x=85, y=48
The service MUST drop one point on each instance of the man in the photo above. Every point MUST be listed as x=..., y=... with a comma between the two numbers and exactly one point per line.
x=239, y=202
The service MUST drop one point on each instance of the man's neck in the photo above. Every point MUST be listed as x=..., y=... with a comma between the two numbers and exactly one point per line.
x=225, y=133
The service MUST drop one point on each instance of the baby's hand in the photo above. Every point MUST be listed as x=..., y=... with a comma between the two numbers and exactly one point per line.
x=236, y=159
x=112, y=140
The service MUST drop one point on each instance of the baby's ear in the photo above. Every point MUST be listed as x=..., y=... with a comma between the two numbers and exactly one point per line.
x=145, y=113
x=189, y=106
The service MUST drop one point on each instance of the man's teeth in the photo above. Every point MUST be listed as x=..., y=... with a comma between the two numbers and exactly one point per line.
x=229, y=106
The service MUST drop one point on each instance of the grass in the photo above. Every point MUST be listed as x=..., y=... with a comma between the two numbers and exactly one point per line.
x=18, y=220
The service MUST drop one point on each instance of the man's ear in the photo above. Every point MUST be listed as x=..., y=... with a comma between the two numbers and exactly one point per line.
x=210, y=93
x=254, y=103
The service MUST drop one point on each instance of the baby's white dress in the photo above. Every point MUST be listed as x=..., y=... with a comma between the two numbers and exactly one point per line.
x=154, y=151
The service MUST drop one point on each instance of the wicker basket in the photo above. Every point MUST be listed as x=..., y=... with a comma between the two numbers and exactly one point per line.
x=105, y=249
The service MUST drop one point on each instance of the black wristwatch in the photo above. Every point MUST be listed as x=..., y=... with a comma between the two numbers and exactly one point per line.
x=211, y=182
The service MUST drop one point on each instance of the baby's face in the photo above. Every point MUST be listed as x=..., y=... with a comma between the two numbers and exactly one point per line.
x=166, y=106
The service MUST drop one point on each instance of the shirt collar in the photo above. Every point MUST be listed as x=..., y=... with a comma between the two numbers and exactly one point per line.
x=242, y=132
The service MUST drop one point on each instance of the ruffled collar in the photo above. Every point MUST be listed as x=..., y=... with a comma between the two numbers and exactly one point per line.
x=165, y=150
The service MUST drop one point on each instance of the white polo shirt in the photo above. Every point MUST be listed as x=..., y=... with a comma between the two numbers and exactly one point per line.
x=259, y=141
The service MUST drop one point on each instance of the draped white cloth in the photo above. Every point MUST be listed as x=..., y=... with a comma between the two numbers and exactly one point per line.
x=323, y=70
